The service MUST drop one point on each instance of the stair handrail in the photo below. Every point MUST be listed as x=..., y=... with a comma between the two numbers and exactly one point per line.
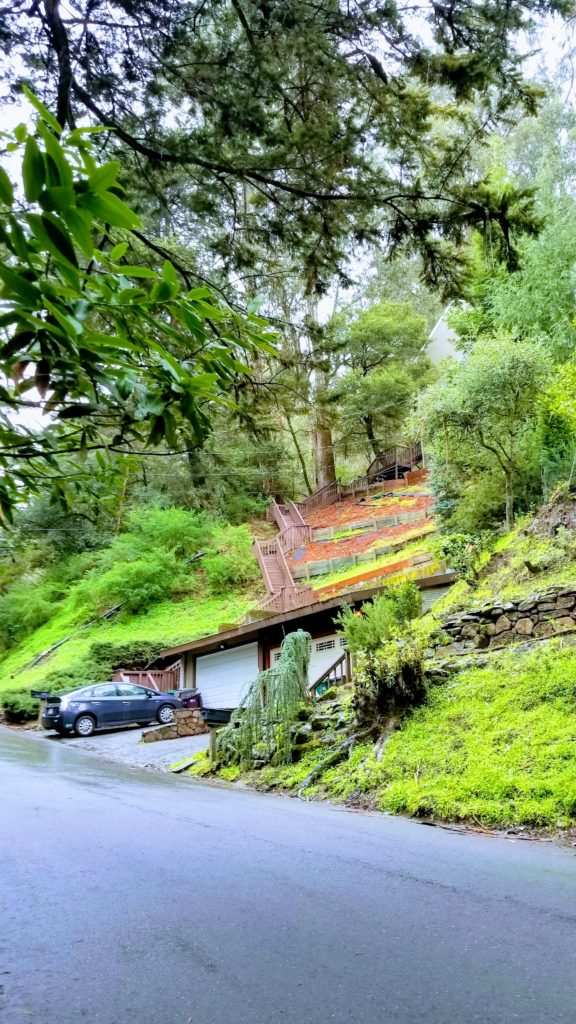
x=257, y=549
x=345, y=676
x=297, y=513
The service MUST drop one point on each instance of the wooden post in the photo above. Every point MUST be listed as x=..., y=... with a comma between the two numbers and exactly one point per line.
x=213, y=731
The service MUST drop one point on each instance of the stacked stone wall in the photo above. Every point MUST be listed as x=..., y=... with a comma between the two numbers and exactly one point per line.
x=500, y=623
x=187, y=722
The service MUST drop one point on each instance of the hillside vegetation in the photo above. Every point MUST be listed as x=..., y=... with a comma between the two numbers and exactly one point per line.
x=171, y=575
x=494, y=739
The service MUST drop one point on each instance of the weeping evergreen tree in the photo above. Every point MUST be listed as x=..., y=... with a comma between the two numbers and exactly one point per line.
x=260, y=728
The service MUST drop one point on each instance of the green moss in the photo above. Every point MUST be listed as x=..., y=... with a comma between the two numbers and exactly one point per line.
x=506, y=575
x=497, y=745
x=171, y=622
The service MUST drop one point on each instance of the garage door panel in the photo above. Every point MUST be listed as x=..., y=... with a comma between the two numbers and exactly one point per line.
x=223, y=678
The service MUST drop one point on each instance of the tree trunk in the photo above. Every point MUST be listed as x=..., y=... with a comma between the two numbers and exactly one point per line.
x=369, y=424
x=509, y=499
x=322, y=446
x=324, y=466
x=300, y=455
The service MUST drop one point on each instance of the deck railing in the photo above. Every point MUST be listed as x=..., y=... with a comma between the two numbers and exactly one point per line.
x=326, y=495
x=339, y=673
x=156, y=679
x=397, y=455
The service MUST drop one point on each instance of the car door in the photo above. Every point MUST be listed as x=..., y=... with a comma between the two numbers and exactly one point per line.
x=107, y=704
x=137, y=706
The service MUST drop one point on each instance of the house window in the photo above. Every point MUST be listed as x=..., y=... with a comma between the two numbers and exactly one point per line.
x=325, y=645
x=276, y=655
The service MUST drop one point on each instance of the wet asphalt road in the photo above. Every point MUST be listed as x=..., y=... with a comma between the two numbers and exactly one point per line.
x=135, y=898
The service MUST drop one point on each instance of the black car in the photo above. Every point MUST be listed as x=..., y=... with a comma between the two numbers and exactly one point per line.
x=107, y=704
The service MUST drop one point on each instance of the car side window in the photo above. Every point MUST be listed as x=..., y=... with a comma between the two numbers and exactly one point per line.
x=131, y=690
x=105, y=690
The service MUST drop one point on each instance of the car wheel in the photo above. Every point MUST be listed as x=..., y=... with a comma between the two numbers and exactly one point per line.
x=84, y=725
x=165, y=714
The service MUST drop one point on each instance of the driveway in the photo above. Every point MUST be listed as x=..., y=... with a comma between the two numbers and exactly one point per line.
x=124, y=747
x=132, y=897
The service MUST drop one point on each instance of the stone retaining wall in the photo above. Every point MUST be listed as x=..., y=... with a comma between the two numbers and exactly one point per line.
x=187, y=722
x=541, y=615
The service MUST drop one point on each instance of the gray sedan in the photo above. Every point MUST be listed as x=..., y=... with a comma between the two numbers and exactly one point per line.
x=107, y=704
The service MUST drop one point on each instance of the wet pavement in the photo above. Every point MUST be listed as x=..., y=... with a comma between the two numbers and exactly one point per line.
x=124, y=746
x=133, y=897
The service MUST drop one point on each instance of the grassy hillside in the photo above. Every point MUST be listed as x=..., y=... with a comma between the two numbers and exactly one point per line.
x=168, y=622
x=495, y=743
x=175, y=575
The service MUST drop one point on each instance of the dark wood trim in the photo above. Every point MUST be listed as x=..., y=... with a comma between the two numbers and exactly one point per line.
x=261, y=628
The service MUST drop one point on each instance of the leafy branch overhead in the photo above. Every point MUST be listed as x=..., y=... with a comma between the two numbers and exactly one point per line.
x=103, y=353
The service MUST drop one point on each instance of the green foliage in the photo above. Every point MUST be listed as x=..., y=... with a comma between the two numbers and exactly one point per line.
x=385, y=333
x=117, y=352
x=496, y=745
x=484, y=415
x=259, y=729
x=233, y=564
x=23, y=608
x=377, y=620
x=390, y=678
x=374, y=406
x=460, y=551
x=135, y=584
x=129, y=654
x=18, y=706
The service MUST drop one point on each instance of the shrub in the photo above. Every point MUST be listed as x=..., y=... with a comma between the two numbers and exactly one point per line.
x=172, y=529
x=135, y=584
x=23, y=608
x=367, y=629
x=131, y=654
x=391, y=678
x=19, y=706
x=460, y=551
x=233, y=564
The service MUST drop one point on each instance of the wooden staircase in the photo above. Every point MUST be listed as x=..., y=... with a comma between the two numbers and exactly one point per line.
x=284, y=594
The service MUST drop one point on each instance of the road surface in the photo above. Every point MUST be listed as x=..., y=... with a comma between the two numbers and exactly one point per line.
x=138, y=898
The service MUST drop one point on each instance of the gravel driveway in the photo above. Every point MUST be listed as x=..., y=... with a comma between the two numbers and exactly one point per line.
x=124, y=747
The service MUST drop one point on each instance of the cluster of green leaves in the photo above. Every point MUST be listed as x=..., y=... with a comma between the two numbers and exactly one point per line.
x=111, y=353
x=377, y=620
x=162, y=553
x=483, y=419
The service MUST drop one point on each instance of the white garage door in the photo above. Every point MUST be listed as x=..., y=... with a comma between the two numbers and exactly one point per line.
x=325, y=651
x=223, y=678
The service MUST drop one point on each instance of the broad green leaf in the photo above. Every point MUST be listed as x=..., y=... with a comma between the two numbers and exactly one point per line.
x=110, y=209
x=18, y=241
x=6, y=190
x=42, y=110
x=135, y=271
x=33, y=170
x=52, y=233
x=20, y=132
x=161, y=292
x=17, y=287
x=105, y=176
x=169, y=274
x=118, y=251
x=56, y=153
x=69, y=323
x=78, y=223
x=57, y=198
